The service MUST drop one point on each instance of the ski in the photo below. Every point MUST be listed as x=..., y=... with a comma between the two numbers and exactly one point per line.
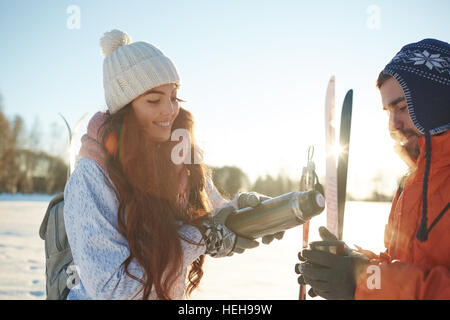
x=331, y=185
x=72, y=137
x=344, y=140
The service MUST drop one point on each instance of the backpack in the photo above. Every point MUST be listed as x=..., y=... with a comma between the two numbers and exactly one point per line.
x=58, y=256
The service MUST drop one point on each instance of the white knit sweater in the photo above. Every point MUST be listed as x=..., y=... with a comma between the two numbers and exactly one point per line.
x=98, y=249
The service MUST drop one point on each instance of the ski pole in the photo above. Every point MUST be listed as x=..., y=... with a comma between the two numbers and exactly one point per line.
x=307, y=183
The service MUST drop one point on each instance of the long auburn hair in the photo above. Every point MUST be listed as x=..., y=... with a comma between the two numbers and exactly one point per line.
x=146, y=184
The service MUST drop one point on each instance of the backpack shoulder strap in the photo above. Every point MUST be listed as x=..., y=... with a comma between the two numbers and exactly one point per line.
x=59, y=197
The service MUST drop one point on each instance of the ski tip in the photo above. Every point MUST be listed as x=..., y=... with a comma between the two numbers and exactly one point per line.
x=349, y=93
x=332, y=78
x=67, y=125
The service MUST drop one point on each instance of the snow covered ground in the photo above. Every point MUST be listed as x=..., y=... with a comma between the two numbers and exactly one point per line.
x=22, y=257
x=266, y=272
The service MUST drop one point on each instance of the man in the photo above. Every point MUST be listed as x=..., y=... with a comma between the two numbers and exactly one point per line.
x=415, y=91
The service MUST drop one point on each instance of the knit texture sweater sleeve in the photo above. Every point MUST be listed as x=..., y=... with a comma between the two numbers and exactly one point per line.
x=98, y=248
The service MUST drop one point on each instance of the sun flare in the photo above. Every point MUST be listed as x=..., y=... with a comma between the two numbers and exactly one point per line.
x=337, y=150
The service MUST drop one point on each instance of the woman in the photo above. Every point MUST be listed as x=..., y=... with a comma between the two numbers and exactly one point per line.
x=136, y=216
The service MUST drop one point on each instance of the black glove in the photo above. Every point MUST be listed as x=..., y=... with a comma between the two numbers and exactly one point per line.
x=253, y=199
x=325, y=234
x=301, y=279
x=221, y=241
x=331, y=276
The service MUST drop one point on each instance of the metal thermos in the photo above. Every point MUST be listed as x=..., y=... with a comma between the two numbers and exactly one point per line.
x=276, y=214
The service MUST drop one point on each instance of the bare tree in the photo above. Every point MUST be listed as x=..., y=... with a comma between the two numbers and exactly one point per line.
x=57, y=140
x=34, y=138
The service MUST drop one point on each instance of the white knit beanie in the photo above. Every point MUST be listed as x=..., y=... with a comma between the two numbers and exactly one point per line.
x=130, y=69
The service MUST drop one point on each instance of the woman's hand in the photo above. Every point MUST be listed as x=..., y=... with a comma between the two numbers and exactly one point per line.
x=221, y=241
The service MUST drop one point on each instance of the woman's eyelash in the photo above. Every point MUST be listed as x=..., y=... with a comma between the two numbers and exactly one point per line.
x=156, y=101
x=178, y=99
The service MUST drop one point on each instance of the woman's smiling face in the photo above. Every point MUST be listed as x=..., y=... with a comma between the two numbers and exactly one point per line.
x=156, y=110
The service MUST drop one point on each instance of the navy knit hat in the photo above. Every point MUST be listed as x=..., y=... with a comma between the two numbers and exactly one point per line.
x=423, y=71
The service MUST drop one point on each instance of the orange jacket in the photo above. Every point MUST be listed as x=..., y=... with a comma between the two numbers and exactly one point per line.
x=410, y=269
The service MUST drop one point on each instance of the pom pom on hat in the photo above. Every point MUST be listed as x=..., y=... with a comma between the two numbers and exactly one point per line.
x=112, y=40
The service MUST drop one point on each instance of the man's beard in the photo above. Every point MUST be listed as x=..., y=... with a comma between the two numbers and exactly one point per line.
x=400, y=136
x=413, y=151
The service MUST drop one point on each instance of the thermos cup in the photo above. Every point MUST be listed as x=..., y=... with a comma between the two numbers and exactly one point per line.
x=334, y=246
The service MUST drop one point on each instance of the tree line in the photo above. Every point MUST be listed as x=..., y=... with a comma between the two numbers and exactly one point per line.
x=26, y=169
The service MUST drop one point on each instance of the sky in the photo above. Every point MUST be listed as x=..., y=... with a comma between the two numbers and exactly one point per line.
x=253, y=73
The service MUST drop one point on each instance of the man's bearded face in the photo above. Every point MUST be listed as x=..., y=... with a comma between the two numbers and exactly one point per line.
x=401, y=128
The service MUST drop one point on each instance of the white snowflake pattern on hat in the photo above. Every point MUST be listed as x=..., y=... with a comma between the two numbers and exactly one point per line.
x=430, y=61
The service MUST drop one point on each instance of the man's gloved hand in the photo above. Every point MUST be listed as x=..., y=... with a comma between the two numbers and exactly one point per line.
x=253, y=199
x=325, y=234
x=301, y=279
x=331, y=276
x=221, y=241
